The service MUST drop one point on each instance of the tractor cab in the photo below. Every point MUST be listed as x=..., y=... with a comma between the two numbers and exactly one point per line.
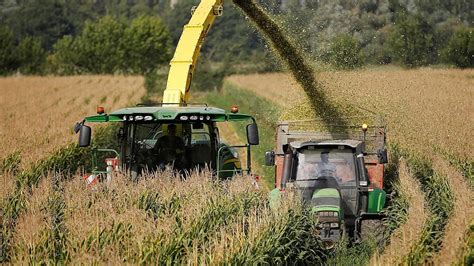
x=182, y=138
x=337, y=177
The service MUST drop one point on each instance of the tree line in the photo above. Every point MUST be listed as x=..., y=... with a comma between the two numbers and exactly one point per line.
x=138, y=36
x=410, y=33
x=103, y=46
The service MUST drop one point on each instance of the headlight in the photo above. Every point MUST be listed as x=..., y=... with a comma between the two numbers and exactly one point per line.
x=334, y=225
x=328, y=214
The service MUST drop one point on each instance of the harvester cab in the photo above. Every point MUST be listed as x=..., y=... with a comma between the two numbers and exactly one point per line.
x=338, y=175
x=184, y=138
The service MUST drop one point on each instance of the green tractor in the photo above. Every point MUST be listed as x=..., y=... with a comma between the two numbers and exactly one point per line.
x=339, y=177
x=157, y=137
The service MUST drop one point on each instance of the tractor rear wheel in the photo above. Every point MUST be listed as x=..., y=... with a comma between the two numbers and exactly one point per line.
x=373, y=230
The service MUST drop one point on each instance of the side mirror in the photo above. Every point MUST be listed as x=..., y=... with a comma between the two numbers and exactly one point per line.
x=77, y=127
x=252, y=134
x=85, y=136
x=382, y=156
x=270, y=158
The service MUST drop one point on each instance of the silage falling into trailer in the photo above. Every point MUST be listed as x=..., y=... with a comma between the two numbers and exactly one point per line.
x=294, y=60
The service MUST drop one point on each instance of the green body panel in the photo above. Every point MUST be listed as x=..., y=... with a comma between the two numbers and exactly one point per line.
x=376, y=200
x=104, y=118
x=169, y=113
x=330, y=194
x=238, y=117
x=274, y=198
x=326, y=193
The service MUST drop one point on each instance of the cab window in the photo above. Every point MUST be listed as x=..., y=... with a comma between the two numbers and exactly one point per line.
x=337, y=163
x=201, y=149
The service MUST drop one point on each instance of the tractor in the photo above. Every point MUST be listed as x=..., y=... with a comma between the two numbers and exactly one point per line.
x=338, y=173
x=175, y=132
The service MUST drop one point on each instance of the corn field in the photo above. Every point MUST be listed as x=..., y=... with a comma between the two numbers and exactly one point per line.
x=160, y=219
x=38, y=113
x=50, y=216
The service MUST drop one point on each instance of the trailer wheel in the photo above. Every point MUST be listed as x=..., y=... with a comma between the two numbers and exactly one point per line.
x=373, y=230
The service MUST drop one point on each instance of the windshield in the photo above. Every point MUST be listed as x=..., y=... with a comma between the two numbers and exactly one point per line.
x=146, y=135
x=183, y=145
x=317, y=163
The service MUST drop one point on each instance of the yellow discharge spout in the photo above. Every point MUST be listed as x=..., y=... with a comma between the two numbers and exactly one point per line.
x=187, y=52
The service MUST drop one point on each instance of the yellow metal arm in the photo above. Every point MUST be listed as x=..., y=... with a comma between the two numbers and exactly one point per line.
x=187, y=52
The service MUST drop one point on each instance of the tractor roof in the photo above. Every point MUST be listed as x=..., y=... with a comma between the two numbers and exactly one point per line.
x=347, y=142
x=187, y=113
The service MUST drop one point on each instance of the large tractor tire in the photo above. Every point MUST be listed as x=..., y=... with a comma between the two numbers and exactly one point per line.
x=373, y=230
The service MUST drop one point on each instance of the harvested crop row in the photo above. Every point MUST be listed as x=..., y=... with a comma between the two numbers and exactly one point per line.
x=40, y=111
x=440, y=201
x=404, y=237
x=461, y=217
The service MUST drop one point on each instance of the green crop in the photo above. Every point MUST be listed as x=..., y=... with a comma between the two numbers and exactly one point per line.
x=11, y=163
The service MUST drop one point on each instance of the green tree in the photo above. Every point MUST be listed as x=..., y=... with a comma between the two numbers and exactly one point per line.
x=45, y=19
x=109, y=46
x=345, y=52
x=31, y=56
x=412, y=41
x=99, y=46
x=460, y=50
x=66, y=57
x=146, y=44
x=8, y=59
